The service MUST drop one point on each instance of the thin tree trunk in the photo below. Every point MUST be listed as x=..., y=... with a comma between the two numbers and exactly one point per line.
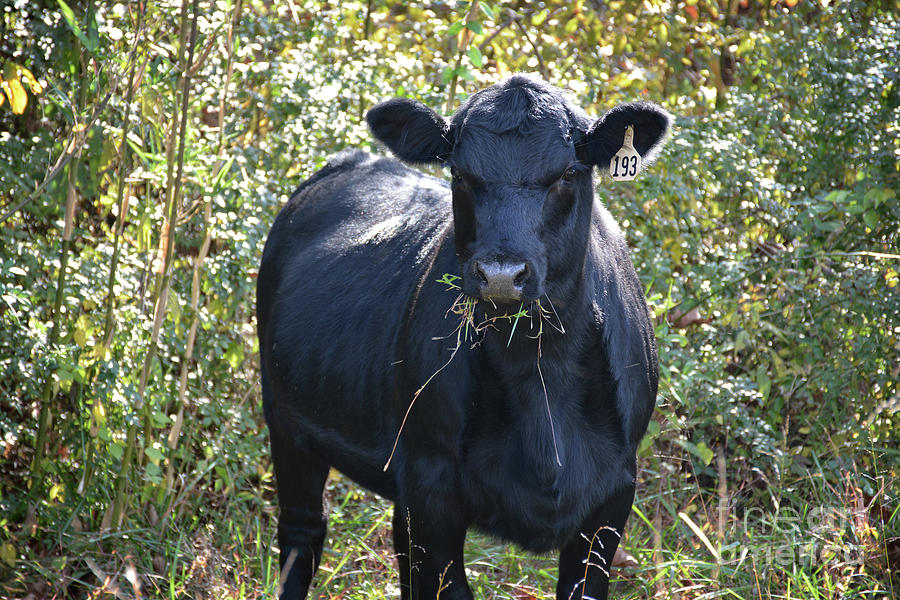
x=166, y=251
x=122, y=204
x=45, y=413
x=463, y=46
x=186, y=362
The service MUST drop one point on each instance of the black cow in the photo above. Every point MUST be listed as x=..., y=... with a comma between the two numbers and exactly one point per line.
x=527, y=434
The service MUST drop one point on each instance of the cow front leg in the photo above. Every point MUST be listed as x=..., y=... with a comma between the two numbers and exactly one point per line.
x=586, y=559
x=431, y=561
x=430, y=532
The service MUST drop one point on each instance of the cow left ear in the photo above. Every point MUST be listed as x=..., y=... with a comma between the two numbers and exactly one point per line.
x=605, y=137
x=411, y=130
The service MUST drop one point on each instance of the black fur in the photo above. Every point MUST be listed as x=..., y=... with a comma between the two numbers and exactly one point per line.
x=605, y=137
x=352, y=323
x=411, y=130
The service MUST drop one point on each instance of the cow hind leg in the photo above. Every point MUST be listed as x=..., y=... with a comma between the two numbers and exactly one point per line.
x=585, y=561
x=301, y=524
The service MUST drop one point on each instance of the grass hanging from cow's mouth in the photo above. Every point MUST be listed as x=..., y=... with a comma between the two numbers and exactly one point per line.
x=464, y=307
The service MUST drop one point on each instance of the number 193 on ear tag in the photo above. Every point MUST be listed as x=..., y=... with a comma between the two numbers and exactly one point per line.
x=626, y=163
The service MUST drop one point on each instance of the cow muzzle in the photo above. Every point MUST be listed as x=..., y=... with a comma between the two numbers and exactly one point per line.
x=501, y=281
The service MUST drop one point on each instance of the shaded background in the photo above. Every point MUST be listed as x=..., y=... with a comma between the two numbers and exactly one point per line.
x=146, y=148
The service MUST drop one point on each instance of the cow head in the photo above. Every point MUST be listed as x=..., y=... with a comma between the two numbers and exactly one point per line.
x=520, y=155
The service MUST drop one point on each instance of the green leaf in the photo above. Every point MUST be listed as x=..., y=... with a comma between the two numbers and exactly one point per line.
x=116, y=451
x=701, y=450
x=827, y=226
x=763, y=382
x=154, y=454
x=234, y=355
x=455, y=28
x=487, y=10
x=836, y=196
x=69, y=16
x=475, y=27
x=676, y=338
x=8, y=554
x=646, y=442
x=223, y=171
x=854, y=208
x=871, y=218
x=93, y=34
x=475, y=57
x=450, y=281
x=705, y=453
x=742, y=340
x=160, y=419
x=174, y=306
x=153, y=472
x=522, y=312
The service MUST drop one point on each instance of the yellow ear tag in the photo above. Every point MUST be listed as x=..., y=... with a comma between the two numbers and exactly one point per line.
x=626, y=164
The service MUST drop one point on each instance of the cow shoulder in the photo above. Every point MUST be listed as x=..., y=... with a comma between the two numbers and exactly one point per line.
x=627, y=331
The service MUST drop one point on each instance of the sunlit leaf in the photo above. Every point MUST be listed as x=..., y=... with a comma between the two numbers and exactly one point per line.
x=763, y=381
x=705, y=453
x=15, y=92
x=447, y=75
x=701, y=450
x=235, y=355
x=8, y=554
x=475, y=57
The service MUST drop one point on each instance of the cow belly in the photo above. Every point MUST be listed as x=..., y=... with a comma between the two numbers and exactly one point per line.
x=530, y=519
x=330, y=361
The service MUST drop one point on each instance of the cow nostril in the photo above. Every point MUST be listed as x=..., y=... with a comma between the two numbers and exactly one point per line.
x=479, y=272
x=522, y=275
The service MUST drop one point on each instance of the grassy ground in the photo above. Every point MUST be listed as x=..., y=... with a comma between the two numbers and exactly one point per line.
x=814, y=540
x=732, y=521
x=689, y=542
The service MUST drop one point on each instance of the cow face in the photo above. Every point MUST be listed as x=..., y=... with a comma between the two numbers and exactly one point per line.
x=520, y=156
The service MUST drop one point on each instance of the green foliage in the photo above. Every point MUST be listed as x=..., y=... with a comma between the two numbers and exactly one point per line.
x=766, y=234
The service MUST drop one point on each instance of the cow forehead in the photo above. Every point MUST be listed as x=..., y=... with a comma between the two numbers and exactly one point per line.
x=518, y=131
x=512, y=157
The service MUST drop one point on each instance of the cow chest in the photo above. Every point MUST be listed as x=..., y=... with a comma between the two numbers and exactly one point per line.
x=531, y=481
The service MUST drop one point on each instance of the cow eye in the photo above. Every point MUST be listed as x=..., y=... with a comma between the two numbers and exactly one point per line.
x=569, y=175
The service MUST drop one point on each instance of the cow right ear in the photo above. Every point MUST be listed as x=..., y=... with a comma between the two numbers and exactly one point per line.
x=411, y=130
